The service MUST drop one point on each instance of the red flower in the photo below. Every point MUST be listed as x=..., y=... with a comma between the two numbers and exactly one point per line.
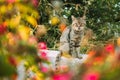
x=2, y=29
x=91, y=76
x=65, y=76
x=42, y=45
x=12, y=61
x=109, y=48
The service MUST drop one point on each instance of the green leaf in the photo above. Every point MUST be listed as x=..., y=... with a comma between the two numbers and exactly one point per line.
x=6, y=69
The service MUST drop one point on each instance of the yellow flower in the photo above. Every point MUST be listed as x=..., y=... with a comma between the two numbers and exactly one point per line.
x=33, y=68
x=39, y=74
x=10, y=38
x=3, y=9
x=9, y=7
x=26, y=63
x=39, y=78
x=54, y=20
x=31, y=20
x=14, y=22
x=24, y=32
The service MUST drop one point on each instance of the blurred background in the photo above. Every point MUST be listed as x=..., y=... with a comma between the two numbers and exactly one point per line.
x=28, y=26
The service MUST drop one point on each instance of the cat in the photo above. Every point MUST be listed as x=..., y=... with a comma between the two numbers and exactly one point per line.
x=71, y=37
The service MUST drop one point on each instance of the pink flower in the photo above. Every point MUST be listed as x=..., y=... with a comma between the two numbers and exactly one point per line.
x=65, y=76
x=35, y=3
x=32, y=40
x=43, y=55
x=42, y=45
x=44, y=69
x=109, y=48
x=10, y=1
x=91, y=76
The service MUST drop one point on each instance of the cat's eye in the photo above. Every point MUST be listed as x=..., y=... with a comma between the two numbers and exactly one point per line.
x=82, y=24
x=75, y=24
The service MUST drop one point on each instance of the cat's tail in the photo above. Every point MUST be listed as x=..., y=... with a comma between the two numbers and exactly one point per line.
x=57, y=61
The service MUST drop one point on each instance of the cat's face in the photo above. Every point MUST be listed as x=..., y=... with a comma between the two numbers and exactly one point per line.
x=78, y=24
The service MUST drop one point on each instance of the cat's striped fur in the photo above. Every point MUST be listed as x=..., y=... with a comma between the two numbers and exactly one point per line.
x=57, y=61
x=71, y=37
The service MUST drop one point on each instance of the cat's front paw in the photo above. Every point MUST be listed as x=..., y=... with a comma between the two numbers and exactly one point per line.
x=66, y=55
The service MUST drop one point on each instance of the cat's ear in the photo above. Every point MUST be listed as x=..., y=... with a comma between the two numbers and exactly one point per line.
x=84, y=14
x=73, y=18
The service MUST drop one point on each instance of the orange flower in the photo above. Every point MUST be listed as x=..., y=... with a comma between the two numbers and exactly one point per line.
x=62, y=26
x=14, y=77
x=118, y=41
x=91, y=53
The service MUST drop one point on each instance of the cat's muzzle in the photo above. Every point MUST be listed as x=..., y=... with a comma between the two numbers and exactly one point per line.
x=76, y=32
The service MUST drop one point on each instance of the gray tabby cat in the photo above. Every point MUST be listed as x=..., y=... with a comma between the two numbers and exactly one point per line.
x=71, y=37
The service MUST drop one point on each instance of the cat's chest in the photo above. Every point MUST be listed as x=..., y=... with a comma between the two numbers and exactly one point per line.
x=76, y=36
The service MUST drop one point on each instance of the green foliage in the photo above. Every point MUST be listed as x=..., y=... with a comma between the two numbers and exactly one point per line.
x=6, y=69
x=103, y=19
x=111, y=75
x=52, y=37
x=26, y=48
